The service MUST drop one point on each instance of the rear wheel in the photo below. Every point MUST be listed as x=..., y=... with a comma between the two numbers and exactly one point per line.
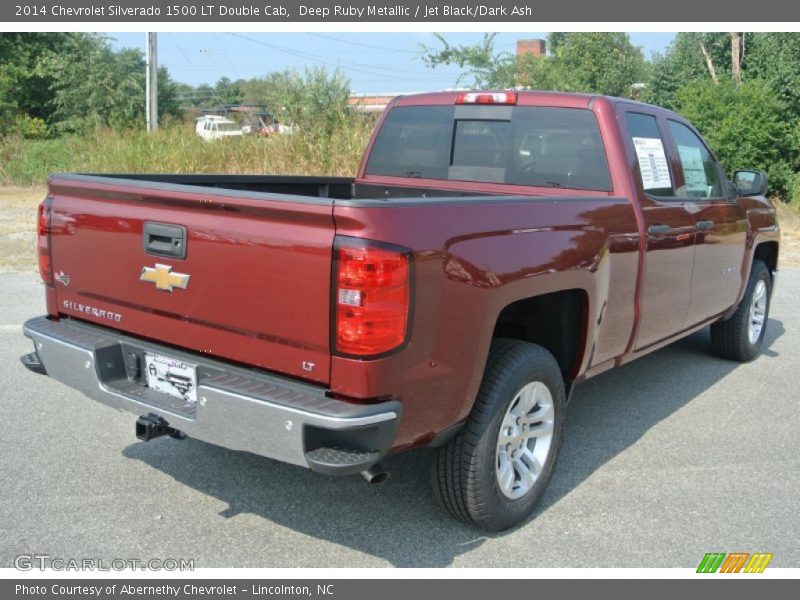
x=495, y=470
x=740, y=337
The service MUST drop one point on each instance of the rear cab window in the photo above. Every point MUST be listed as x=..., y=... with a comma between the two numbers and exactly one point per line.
x=516, y=145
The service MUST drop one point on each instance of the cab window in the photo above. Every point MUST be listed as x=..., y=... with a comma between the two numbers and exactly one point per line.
x=651, y=155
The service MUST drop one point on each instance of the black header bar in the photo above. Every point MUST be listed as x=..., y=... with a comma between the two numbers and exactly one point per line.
x=416, y=11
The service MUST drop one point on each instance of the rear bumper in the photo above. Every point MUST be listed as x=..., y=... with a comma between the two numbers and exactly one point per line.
x=236, y=408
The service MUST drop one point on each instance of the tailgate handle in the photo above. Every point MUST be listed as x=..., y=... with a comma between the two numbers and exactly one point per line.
x=162, y=239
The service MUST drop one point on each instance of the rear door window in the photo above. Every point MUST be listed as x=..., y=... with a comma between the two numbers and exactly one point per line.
x=651, y=154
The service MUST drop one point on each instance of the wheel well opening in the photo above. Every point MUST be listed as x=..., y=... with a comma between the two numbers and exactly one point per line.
x=554, y=321
x=767, y=252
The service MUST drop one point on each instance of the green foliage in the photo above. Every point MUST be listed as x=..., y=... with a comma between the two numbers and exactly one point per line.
x=746, y=126
x=8, y=106
x=27, y=84
x=169, y=106
x=31, y=128
x=775, y=58
x=100, y=89
x=603, y=63
x=542, y=73
x=316, y=100
x=683, y=62
x=176, y=149
x=74, y=82
x=755, y=124
x=485, y=67
x=228, y=92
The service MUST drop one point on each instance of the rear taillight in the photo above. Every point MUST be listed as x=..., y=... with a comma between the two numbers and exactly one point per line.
x=372, y=297
x=43, y=242
x=487, y=98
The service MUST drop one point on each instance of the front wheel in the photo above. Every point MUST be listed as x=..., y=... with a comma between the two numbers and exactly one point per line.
x=494, y=471
x=740, y=337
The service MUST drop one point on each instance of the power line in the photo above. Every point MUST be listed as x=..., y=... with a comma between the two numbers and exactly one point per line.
x=225, y=54
x=352, y=43
x=356, y=67
x=178, y=46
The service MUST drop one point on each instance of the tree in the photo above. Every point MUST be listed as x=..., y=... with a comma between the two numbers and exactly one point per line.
x=746, y=126
x=28, y=86
x=483, y=65
x=317, y=100
x=76, y=81
x=603, y=63
x=775, y=58
x=8, y=106
x=103, y=88
x=169, y=104
x=228, y=92
x=687, y=59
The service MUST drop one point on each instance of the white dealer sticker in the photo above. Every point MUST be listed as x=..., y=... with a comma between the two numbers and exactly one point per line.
x=694, y=172
x=652, y=163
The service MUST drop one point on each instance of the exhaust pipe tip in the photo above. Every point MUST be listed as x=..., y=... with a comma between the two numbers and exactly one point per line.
x=375, y=474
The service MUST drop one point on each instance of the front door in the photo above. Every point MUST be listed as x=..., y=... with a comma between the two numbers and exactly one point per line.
x=721, y=225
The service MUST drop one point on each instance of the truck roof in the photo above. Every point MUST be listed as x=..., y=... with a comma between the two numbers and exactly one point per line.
x=524, y=98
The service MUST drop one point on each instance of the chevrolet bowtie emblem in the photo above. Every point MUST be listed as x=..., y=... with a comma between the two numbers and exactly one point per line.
x=164, y=278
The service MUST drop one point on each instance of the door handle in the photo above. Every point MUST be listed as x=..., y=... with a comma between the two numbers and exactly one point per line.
x=162, y=239
x=704, y=224
x=659, y=229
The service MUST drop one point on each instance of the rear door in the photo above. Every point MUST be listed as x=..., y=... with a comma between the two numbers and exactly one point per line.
x=668, y=225
x=721, y=225
x=251, y=284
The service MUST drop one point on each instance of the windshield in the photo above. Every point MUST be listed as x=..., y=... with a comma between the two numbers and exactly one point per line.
x=525, y=145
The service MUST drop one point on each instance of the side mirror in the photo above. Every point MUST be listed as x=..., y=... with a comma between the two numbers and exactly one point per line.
x=750, y=182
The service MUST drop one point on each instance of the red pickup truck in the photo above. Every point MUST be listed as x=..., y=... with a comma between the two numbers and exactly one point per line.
x=494, y=249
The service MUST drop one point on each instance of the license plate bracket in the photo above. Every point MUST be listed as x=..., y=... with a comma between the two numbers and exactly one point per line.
x=171, y=376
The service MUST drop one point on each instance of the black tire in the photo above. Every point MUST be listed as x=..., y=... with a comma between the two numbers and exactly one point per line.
x=464, y=471
x=730, y=338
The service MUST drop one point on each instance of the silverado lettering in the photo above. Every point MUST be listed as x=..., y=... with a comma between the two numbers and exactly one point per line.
x=495, y=249
x=69, y=305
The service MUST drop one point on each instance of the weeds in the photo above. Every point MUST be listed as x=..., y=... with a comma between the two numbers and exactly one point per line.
x=176, y=149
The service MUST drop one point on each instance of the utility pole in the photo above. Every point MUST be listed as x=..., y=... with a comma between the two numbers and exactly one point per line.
x=151, y=80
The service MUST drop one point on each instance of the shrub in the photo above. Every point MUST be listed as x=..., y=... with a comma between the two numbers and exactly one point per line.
x=746, y=125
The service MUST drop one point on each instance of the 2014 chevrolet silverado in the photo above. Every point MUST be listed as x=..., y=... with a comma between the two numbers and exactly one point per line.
x=494, y=249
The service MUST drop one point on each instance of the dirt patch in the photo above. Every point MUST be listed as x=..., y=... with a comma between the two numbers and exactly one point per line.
x=18, y=228
x=789, y=219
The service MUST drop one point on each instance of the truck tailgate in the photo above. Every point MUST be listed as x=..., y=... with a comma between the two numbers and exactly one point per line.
x=257, y=269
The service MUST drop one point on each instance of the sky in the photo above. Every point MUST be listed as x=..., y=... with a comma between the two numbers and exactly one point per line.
x=374, y=62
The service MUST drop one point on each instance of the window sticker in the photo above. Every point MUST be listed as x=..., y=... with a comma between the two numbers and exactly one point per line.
x=694, y=172
x=652, y=163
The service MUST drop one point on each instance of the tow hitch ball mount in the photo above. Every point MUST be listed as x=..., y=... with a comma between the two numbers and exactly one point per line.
x=150, y=426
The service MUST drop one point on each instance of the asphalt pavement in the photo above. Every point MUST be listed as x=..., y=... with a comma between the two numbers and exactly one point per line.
x=667, y=458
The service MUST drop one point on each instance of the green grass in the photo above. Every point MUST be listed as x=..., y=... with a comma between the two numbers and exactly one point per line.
x=176, y=149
